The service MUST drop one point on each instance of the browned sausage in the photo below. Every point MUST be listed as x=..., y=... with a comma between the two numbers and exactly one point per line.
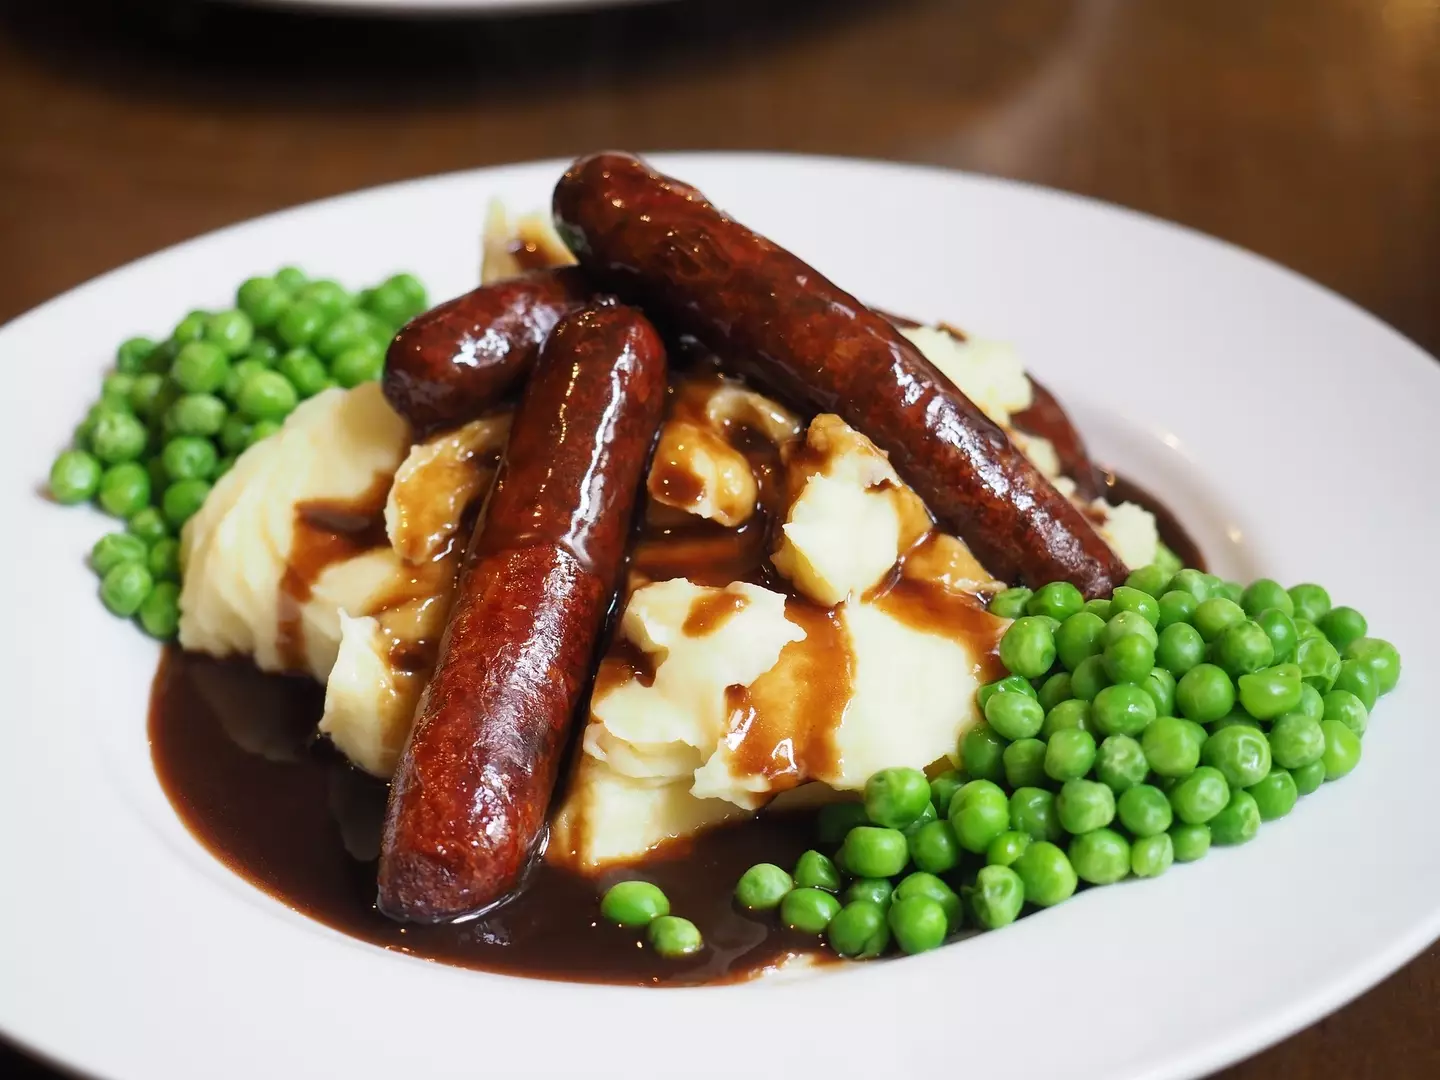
x=1047, y=418
x=469, y=797
x=467, y=355
x=660, y=244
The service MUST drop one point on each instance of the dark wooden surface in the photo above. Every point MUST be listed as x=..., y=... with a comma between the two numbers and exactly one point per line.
x=1308, y=130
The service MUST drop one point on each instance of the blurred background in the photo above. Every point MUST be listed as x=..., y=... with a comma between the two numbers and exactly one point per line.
x=1306, y=130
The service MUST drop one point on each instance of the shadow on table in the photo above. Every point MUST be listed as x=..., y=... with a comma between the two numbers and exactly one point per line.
x=269, y=52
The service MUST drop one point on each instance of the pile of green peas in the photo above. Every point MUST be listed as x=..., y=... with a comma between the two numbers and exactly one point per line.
x=174, y=414
x=644, y=906
x=1131, y=733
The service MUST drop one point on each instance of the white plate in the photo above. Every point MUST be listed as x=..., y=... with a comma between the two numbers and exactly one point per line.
x=1293, y=431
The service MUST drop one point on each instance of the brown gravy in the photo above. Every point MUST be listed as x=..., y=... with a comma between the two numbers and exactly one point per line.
x=236, y=753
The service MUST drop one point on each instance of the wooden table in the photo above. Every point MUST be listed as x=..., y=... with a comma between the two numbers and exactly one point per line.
x=1308, y=130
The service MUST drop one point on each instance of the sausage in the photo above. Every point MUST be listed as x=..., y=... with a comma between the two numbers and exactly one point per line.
x=1048, y=419
x=660, y=244
x=468, y=802
x=469, y=354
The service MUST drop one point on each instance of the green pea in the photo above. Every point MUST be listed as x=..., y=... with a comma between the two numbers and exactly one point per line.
x=1089, y=678
x=1204, y=693
x=1084, y=805
x=163, y=559
x=1319, y=663
x=144, y=393
x=1120, y=763
x=1101, y=857
x=1125, y=598
x=982, y=752
x=1296, y=740
x=190, y=328
x=1025, y=763
x=200, y=367
x=1129, y=659
x=918, y=924
x=1169, y=747
x=1237, y=718
x=927, y=815
x=1079, y=638
x=1241, y=648
x=1011, y=684
x=263, y=299
x=997, y=897
x=1263, y=594
x=115, y=391
x=358, y=364
x=1191, y=842
x=1151, y=856
x=943, y=788
x=1070, y=754
x=1272, y=692
x=1028, y=648
x=815, y=871
x=1014, y=716
x=1310, y=602
x=1216, y=615
x=808, y=911
x=409, y=286
x=1152, y=580
x=874, y=890
x=1055, y=690
x=329, y=296
x=1308, y=778
x=1160, y=685
x=160, y=610
x=1357, y=678
x=148, y=526
x=1230, y=590
x=1059, y=600
x=222, y=467
x=1032, y=812
x=188, y=457
x=1275, y=795
x=1311, y=704
x=261, y=430
x=1006, y=848
x=349, y=329
x=299, y=323
x=1010, y=603
x=1125, y=622
x=1100, y=607
x=1144, y=810
x=75, y=477
x=1180, y=649
x=1342, y=625
x=1280, y=629
x=117, y=437
x=183, y=499
x=1238, y=821
x=238, y=376
x=871, y=851
x=1380, y=657
x=1305, y=629
x=305, y=371
x=1242, y=754
x=762, y=887
x=1166, y=561
x=1122, y=710
x=267, y=395
x=230, y=331
x=1176, y=607
x=1196, y=583
x=290, y=278
x=130, y=356
x=1071, y=715
x=235, y=435
x=112, y=549
x=895, y=797
x=859, y=930
x=124, y=489
x=634, y=903
x=124, y=587
x=1342, y=749
x=928, y=885
x=263, y=351
x=1046, y=873
x=392, y=304
x=673, y=937
x=1200, y=796
x=934, y=849
x=979, y=822
x=196, y=414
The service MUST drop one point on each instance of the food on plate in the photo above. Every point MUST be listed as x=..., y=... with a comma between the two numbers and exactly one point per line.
x=852, y=648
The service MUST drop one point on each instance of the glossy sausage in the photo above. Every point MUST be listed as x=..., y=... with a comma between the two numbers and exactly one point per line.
x=468, y=802
x=469, y=354
x=660, y=244
x=1047, y=418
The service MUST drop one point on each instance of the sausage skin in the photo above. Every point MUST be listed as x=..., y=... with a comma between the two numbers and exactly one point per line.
x=660, y=244
x=469, y=797
x=1047, y=418
x=455, y=361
